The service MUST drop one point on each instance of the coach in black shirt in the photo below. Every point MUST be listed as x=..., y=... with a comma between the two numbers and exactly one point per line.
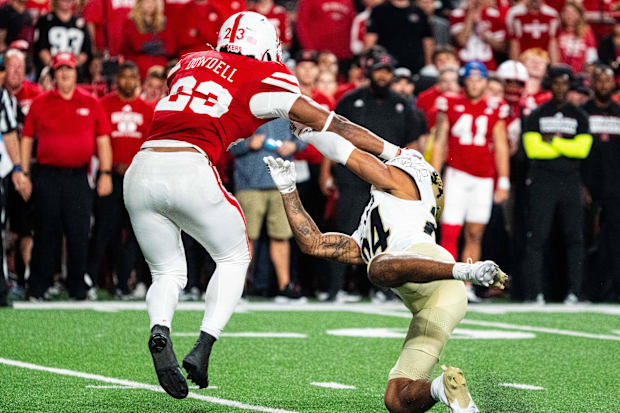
x=602, y=169
x=383, y=112
x=403, y=29
x=556, y=138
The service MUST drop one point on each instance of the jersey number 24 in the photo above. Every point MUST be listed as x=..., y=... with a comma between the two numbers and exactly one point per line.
x=378, y=236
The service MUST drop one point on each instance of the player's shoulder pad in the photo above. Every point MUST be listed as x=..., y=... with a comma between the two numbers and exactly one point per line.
x=278, y=75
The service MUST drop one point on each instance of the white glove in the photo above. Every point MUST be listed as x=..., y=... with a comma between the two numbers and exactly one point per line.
x=300, y=130
x=283, y=173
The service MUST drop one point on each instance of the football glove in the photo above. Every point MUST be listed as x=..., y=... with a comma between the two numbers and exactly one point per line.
x=283, y=173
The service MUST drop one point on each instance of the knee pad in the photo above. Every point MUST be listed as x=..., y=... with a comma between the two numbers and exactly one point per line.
x=175, y=278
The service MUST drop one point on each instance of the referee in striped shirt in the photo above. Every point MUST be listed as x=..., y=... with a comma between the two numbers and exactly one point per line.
x=8, y=129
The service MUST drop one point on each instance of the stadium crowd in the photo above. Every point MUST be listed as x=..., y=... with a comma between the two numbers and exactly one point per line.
x=80, y=80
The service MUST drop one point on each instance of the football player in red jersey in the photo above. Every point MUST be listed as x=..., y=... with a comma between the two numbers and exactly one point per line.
x=216, y=98
x=471, y=140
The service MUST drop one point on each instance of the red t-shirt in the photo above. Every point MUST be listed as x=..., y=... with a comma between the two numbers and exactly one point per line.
x=66, y=129
x=230, y=7
x=195, y=26
x=426, y=102
x=577, y=51
x=470, y=141
x=161, y=45
x=532, y=28
x=277, y=16
x=599, y=16
x=476, y=48
x=26, y=95
x=130, y=121
x=108, y=18
x=326, y=25
x=209, y=101
x=358, y=31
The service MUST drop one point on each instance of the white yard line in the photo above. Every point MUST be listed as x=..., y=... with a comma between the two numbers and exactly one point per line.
x=332, y=385
x=249, y=334
x=116, y=387
x=144, y=386
x=522, y=386
x=540, y=329
x=353, y=307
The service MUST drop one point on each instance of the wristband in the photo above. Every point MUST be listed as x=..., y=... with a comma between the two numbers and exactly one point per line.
x=389, y=151
x=328, y=121
x=17, y=168
x=106, y=172
x=27, y=174
x=503, y=183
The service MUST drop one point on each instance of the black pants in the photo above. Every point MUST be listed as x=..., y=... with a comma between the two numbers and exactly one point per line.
x=112, y=225
x=63, y=203
x=551, y=194
x=610, y=216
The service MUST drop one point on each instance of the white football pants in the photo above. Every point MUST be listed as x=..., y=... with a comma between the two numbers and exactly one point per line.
x=169, y=192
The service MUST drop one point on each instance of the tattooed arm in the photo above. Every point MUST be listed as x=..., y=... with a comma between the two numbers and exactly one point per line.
x=332, y=245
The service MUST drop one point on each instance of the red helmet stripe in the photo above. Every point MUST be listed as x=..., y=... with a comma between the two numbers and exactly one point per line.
x=233, y=33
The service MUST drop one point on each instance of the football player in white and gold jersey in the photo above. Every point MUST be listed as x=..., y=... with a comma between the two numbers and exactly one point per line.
x=396, y=239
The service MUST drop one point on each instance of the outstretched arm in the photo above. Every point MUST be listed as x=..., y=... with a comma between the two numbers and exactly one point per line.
x=307, y=112
x=311, y=241
x=332, y=245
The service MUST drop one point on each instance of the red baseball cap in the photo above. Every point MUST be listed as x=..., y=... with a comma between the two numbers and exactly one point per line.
x=20, y=45
x=63, y=59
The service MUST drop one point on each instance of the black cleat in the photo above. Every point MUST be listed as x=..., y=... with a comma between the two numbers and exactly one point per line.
x=197, y=361
x=167, y=367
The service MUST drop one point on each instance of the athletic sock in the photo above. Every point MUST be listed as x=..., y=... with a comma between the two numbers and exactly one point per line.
x=438, y=392
x=223, y=294
x=450, y=239
x=162, y=299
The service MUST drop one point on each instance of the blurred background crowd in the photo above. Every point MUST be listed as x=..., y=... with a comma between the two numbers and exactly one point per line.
x=382, y=64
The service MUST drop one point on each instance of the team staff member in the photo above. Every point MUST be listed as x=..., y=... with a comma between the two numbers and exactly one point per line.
x=556, y=137
x=602, y=170
x=130, y=118
x=67, y=123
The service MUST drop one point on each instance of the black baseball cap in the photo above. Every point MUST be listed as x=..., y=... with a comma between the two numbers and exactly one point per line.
x=307, y=56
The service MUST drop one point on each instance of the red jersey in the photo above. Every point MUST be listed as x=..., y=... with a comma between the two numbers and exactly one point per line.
x=277, y=16
x=326, y=25
x=130, y=121
x=196, y=26
x=476, y=48
x=66, y=129
x=230, y=7
x=161, y=45
x=26, y=95
x=470, y=141
x=599, y=16
x=577, y=51
x=358, y=31
x=532, y=28
x=426, y=102
x=108, y=18
x=218, y=98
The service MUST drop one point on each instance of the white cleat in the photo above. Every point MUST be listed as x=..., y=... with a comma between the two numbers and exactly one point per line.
x=451, y=389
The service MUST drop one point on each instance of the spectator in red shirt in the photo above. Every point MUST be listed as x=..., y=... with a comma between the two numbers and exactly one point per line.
x=327, y=85
x=196, y=26
x=148, y=40
x=599, y=15
x=230, y=7
x=16, y=83
x=444, y=57
x=326, y=25
x=535, y=61
x=130, y=118
x=358, y=27
x=533, y=24
x=70, y=127
x=105, y=20
x=576, y=39
x=479, y=32
x=276, y=15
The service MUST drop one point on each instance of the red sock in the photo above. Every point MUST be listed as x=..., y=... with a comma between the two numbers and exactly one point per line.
x=450, y=238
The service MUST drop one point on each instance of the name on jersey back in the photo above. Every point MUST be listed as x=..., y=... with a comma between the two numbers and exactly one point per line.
x=224, y=70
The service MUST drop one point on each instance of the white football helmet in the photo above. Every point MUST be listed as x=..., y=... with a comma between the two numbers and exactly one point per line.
x=513, y=70
x=250, y=34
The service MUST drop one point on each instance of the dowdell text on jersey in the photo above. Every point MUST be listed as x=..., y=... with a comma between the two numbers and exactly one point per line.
x=216, y=65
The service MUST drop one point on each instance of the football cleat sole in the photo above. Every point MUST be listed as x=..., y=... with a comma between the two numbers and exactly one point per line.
x=169, y=373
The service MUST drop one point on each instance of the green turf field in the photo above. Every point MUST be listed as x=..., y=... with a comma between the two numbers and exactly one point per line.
x=96, y=360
